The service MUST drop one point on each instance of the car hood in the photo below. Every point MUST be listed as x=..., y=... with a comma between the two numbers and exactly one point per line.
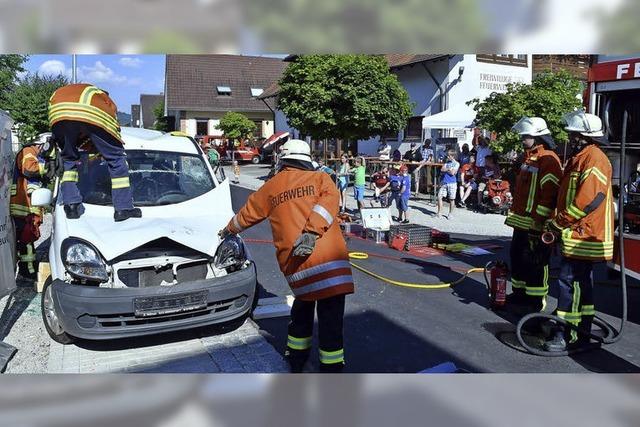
x=194, y=223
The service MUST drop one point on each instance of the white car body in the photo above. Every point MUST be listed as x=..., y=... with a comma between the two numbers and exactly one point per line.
x=191, y=224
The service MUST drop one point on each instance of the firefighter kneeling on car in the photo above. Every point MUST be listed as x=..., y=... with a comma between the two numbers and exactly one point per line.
x=584, y=226
x=302, y=205
x=35, y=165
x=534, y=202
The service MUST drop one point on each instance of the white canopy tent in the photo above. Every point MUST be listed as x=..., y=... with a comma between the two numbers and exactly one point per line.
x=459, y=116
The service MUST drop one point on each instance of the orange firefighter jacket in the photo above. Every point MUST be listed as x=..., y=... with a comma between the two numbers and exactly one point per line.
x=537, y=183
x=585, y=207
x=27, y=177
x=84, y=103
x=297, y=201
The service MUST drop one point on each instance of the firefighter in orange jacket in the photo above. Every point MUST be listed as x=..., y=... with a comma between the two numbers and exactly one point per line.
x=534, y=201
x=79, y=112
x=301, y=205
x=584, y=224
x=33, y=168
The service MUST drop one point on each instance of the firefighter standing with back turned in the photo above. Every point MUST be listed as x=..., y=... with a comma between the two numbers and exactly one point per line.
x=34, y=167
x=301, y=205
x=534, y=202
x=78, y=112
x=584, y=224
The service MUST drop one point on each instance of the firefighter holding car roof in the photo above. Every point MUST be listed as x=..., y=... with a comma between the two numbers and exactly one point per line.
x=302, y=207
x=584, y=226
x=78, y=112
x=534, y=202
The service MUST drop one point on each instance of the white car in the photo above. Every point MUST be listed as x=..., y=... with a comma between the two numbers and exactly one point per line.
x=166, y=271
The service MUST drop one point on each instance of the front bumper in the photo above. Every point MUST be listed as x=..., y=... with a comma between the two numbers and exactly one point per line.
x=104, y=313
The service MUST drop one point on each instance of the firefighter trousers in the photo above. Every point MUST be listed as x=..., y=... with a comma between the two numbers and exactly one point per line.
x=575, y=298
x=67, y=134
x=330, y=324
x=25, y=251
x=529, y=267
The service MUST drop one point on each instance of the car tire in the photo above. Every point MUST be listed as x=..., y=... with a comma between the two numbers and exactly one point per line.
x=50, y=317
x=255, y=160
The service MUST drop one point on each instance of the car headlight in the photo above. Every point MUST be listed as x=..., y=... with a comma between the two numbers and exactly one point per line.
x=231, y=254
x=83, y=261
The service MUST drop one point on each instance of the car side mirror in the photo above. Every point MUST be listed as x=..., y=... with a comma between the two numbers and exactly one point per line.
x=41, y=197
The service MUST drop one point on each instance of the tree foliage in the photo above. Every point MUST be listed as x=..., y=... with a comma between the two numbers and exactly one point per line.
x=343, y=96
x=28, y=104
x=161, y=122
x=236, y=126
x=550, y=95
x=10, y=66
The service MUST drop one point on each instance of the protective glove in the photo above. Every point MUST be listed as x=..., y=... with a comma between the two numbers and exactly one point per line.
x=224, y=233
x=305, y=244
x=51, y=170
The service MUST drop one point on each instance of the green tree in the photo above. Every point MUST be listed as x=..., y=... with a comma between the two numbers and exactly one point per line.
x=550, y=95
x=343, y=96
x=29, y=101
x=161, y=123
x=10, y=66
x=236, y=126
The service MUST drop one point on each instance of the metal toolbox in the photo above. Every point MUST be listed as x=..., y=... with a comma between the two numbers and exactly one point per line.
x=416, y=235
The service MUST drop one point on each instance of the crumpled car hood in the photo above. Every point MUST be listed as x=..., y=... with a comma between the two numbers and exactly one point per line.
x=194, y=223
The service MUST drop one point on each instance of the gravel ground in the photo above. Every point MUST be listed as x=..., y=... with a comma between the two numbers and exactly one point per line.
x=21, y=322
x=420, y=212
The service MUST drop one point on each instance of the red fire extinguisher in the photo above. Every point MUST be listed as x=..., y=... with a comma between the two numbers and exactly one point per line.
x=495, y=274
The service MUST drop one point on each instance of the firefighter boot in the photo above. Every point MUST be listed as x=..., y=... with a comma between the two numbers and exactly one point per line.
x=126, y=214
x=74, y=210
x=331, y=368
x=557, y=343
x=296, y=360
x=517, y=297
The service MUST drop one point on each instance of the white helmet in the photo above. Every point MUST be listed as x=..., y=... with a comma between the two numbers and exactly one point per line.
x=584, y=123
x=534, y=126
x=296, y=149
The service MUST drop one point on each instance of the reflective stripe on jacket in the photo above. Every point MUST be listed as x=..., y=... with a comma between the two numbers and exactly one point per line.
x=297, y=201
x=84, y=103
x=537, y=183
x=27, y=174
x=585, y=207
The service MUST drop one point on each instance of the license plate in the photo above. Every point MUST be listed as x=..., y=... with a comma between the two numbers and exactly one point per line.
x=169, y=304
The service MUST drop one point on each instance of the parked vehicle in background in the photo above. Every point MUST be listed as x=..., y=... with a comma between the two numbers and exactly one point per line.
x=166, y=271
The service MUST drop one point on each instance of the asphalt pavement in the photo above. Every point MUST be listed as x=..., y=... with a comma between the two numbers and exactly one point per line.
x=395, y=329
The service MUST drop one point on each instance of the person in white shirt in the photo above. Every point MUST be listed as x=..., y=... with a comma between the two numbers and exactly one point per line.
x=384, y=150
x=482, y=151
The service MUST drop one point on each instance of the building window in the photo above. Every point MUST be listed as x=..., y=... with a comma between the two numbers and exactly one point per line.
x=414, y=128
x=224, y=90
x=256, y=91
x=504, y=59
x=202, y=127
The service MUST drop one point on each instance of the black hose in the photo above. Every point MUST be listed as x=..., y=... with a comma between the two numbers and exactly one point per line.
x=611, y=334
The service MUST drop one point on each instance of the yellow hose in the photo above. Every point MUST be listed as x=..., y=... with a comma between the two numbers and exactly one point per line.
x=441, y=285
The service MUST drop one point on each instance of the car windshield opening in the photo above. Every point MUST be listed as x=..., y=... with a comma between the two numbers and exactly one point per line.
x=156, y=177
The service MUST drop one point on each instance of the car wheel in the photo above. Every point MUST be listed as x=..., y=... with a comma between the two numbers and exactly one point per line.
x=255, y=160
x=50, y=317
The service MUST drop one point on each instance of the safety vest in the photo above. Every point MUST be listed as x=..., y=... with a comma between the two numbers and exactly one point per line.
x=537, y=183
x=27, y=175
x=84, y=103
x=297, y=201
x=585, y=207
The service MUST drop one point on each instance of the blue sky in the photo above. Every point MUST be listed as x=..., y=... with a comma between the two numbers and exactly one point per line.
x=125, y=77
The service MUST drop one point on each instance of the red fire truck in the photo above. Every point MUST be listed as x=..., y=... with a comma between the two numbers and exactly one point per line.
x=614, y=86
